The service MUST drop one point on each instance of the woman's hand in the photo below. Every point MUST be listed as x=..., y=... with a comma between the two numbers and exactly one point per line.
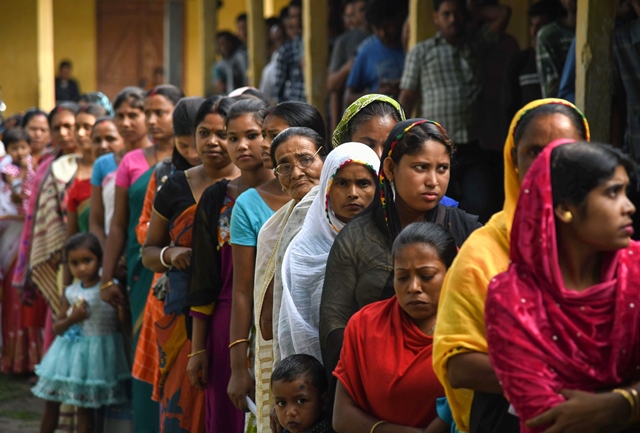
x=197, y=370
x=113, y=296
x=274, y=423
x=583, y=412
x=240, y=386
x=178, y=257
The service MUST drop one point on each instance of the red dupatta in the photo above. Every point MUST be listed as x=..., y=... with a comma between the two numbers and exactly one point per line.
x=386, y=367
x=544, y=337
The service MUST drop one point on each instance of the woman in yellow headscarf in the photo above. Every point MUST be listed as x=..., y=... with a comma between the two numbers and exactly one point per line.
x=460, y=356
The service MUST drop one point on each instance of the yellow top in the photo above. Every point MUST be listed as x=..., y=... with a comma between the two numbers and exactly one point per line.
x=484, y=254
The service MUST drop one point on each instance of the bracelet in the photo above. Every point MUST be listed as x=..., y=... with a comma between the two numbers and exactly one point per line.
x=627, y=395
x=162, y=258
x=242, y=340
x=107, y=285
x=376, y=425
x=196, y=353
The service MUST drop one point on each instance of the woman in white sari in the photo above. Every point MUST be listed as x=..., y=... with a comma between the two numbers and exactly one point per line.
x=347, y=187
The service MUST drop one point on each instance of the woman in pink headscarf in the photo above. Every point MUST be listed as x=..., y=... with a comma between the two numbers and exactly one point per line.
x=563, y=322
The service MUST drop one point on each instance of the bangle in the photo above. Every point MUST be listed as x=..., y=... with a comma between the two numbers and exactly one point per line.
x=162, y=258
x=632, y=402
x=107, y=285
x=376, y=425
x=242, y=340
x=196, y=353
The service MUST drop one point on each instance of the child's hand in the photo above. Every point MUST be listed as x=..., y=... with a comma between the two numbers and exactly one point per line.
x=197, y=370
x=80, y=312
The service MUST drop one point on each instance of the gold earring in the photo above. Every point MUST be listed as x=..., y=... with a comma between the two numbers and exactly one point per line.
x=568, y=216
x=284, y=189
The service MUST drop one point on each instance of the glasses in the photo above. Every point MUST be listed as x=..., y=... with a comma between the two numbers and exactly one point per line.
x=302, y=163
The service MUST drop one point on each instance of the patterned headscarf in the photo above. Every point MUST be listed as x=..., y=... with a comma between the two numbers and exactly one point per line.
x=100, y=99
x=340, y=135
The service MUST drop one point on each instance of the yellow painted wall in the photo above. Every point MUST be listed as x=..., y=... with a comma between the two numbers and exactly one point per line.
x=228, y=12
x=519, y=23
x=74, y=30
x=193, y=49
x=18, y=54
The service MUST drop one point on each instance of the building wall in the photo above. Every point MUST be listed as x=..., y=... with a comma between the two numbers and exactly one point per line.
x=74, y=32
x=18, y=54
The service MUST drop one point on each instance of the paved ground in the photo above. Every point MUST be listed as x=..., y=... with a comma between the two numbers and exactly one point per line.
x=20, y=411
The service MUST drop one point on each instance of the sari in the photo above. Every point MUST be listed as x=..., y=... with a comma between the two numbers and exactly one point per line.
x=461, y=307
x=145, y=411
x=78, y=200
x=209, y=299
x=385, y=364
x=304, y=263
x=544, y=337
x=44, y=232
x=273, y=239
x=21, y=324
x=182, y=403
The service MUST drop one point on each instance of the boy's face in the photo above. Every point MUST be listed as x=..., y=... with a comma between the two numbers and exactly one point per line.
x=19, y=151
x=298, y=404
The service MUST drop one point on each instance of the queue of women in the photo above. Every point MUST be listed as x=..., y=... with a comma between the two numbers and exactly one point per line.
x=238, y=236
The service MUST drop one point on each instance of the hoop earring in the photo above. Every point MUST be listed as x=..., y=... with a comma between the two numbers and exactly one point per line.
x=393, y=190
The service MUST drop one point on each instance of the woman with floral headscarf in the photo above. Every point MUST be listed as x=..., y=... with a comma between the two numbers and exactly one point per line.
x=413, y=179
x=460, y=349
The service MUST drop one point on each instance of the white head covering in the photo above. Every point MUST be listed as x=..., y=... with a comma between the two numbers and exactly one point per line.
x=305, y=261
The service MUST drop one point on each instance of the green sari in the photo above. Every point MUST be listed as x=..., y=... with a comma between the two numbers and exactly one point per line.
x=146, y=413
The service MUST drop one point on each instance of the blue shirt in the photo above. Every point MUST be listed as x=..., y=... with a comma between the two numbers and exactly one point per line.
x=375, y=62
x=250, y=212
x=102, y=167
x=567, y=88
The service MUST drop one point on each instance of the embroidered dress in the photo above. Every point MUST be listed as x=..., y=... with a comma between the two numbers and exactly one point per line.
x=87, y=366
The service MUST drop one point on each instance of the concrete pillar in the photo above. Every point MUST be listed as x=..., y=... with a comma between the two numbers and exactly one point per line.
x=316, y=51
x=256, y=41
x=596, y=21
x=200, y=46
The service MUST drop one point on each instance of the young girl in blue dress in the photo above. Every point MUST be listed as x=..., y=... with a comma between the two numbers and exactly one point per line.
x=87, y=365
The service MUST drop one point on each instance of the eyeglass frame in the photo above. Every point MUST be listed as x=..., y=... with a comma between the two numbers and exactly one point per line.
x=297, y=164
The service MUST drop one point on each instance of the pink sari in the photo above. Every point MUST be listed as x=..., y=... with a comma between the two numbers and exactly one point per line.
x=543, y=337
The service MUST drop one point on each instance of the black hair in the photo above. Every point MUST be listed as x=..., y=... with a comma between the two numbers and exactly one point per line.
x=30, y=114
x=255, y=107
x=301, y=114
x=284, y=14
x=253, y=93
x=379, y=12
x=295, y=3
x=184, y=115
x=550, y=8
x=375, y=109
x=71, y=107
x=233, y=39
x=83, y=240
x=132, y=95
x=65, y=63
x=413, y=140
x=270, y=22
x=169, y=91
x=15, y=135
x=577, y=168
x=547, y=110
x=301, y=366
x=241, y=17
x=296, y=131
x=93, y=109
x=102, y=119
x=213, y=105
x=438, y=3
x=431, y=234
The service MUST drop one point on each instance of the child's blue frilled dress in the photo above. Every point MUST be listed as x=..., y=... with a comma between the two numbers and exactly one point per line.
x=88, y=365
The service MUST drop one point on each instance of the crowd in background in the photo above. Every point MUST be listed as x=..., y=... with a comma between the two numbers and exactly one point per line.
x=235, y=263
